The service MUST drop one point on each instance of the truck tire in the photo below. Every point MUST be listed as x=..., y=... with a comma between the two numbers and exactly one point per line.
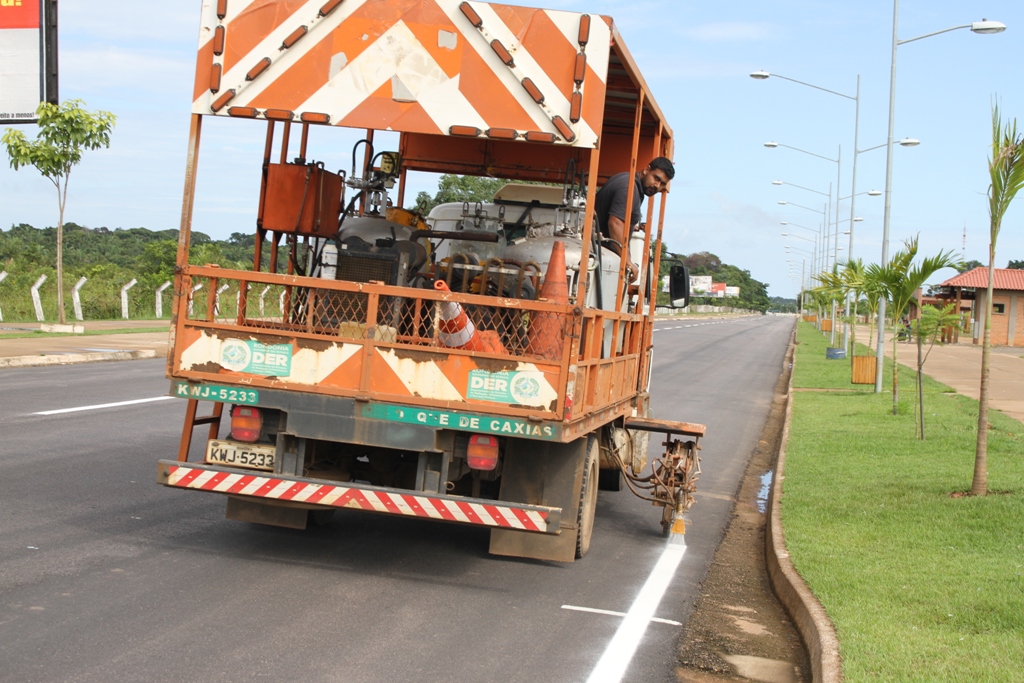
x=588, y=497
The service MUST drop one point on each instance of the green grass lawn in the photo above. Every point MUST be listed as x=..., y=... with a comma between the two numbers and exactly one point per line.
x=922, y=586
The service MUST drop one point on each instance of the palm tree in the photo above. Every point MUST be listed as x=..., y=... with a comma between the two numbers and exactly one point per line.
x=874, y=290
x=853, y=283
x=901, y=279
x=829, y=292
x=1006, y=172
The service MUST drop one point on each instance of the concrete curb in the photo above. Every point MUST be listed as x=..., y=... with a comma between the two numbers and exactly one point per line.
x=69, y=358
x=804, y=608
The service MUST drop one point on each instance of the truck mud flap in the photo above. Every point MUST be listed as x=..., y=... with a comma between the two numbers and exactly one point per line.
x=320, y=494
x=542, y=474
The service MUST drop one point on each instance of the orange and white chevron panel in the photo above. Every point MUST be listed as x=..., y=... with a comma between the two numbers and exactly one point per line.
x=394, y=374
x=449, y=67
x=412, y=504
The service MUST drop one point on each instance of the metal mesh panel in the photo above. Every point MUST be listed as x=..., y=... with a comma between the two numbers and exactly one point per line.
x=405, y=320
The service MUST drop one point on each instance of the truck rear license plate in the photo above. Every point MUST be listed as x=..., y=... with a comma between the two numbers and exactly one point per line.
x=235, y=454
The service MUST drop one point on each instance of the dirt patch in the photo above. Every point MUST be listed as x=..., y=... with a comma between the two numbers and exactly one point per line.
x=738, y=631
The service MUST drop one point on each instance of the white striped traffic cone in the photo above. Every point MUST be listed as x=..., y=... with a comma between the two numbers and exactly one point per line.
x=456, y=330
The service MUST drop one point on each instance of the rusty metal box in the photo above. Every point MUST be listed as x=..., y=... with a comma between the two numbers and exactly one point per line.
x=304, y=200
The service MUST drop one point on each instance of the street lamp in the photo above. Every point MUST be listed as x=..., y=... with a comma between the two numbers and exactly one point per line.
x=823, y=260
x=799, y=237
x=783, y=182
x=984, y=27
x=764, y=75
x=837, y=161
x=815, y=264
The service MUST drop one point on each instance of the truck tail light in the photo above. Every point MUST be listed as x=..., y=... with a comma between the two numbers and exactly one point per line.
x=246, y=423
x=482, y=452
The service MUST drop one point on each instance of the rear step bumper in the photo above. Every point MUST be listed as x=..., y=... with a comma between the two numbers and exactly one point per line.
x=313, y=492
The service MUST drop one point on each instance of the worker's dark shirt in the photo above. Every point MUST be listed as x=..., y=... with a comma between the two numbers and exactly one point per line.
x=611, y=201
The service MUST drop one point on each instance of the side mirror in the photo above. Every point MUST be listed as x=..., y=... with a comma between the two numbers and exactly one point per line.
x=679, y=286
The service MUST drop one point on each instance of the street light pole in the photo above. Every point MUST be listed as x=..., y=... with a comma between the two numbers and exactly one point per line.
x=984, y=27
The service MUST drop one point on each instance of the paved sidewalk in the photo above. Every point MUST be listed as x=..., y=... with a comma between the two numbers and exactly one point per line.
x=22, y=351
x=959, y=366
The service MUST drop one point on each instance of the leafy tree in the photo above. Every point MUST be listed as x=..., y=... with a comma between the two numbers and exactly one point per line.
x=969, y=265
x=927, y=328
x=65, y=131
x=901, y=279
x=703, y=263
x=1016, y=265
x=459, y=188
x=1006, y=175
x=159, y=258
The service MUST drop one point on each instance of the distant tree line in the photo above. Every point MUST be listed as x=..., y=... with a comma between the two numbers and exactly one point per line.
x=110, y=259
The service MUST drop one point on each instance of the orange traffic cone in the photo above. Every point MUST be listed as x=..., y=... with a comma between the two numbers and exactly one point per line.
x=546, y=335
x=456, y=330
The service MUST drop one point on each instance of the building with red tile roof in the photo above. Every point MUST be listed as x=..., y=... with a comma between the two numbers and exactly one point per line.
x=1008, y=279
x=1007, y=302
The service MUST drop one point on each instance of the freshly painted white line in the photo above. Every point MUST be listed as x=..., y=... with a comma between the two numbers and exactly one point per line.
x=105, y=405
x=594, y=610
x=611, y=668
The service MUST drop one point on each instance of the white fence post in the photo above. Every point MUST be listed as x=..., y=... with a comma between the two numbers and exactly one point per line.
x=35, y=298
x=76, y=297
x=216, y=301
x=124, y=297
x=263, y=294
x=3, y=276
x=238, y=298
x=280, y=302
x=160, y=299
x=192, y=296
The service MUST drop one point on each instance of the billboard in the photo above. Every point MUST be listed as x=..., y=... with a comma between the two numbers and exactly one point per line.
x=717, y=290
x=700, y=285
x=28, y=58
x=732, y=291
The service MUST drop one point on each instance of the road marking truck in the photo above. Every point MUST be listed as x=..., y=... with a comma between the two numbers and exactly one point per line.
x=485, y=364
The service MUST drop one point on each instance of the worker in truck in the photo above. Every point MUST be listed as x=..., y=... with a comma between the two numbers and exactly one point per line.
x=610, y=206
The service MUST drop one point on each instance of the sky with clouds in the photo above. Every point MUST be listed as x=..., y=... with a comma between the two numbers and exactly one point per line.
x=137, y=60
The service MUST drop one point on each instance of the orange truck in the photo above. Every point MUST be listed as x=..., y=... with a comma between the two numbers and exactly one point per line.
x=485, y=364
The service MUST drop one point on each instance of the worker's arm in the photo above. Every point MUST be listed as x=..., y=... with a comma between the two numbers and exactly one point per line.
x=618, y=231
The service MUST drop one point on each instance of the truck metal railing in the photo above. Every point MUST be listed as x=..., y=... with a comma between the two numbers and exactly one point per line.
x=601, y=351
x=312, y=307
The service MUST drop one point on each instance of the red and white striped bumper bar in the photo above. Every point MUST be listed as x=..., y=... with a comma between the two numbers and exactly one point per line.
x=515, y=516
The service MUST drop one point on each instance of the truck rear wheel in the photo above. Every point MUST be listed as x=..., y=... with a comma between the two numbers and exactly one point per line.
x=588, y=497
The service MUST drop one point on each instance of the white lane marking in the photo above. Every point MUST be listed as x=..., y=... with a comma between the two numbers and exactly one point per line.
x=610, y=613
x=613, y=663
x=105, y=405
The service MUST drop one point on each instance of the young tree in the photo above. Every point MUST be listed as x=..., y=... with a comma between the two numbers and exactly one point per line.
x=831, y=289
x=901, y=279
x=927, y=328
x=65, y=131
x=1006, y=175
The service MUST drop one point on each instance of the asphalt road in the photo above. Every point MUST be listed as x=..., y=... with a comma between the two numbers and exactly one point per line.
x=106, y=576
